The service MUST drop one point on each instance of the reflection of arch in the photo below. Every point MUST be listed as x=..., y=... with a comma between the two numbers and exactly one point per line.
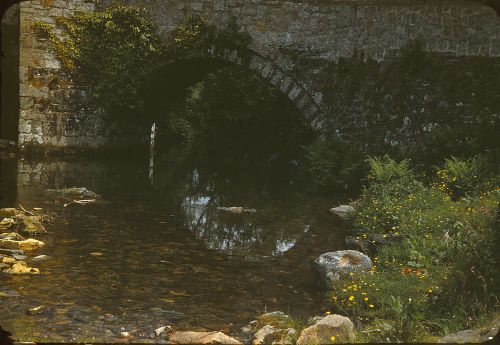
x=275, y=69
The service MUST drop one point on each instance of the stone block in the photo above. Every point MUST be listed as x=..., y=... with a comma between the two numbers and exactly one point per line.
x=294, y=92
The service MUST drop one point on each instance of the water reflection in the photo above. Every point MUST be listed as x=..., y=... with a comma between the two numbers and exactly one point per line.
x=168, y=255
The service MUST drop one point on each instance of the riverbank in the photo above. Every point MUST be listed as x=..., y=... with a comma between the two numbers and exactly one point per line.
x=442, y=277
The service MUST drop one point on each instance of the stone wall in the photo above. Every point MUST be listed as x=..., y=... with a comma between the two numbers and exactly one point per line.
x=329, y=29
x=54, y=114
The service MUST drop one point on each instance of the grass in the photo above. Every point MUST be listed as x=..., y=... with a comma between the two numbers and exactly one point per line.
x=443, y=275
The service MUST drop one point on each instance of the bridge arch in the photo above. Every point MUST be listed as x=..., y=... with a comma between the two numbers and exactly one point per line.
x=275, y=69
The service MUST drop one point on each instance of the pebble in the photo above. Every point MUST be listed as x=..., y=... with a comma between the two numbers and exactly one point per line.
x=159, y=331
x=37, y=310
x=40, y=257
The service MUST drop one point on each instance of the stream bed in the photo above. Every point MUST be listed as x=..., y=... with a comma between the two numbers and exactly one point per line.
x=148, y=256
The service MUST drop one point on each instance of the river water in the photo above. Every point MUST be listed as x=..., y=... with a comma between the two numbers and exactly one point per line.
x=148, y=256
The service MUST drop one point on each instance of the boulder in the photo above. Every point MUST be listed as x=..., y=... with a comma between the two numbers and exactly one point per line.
x=323, y=330
x=20, y=267
x=342, y=210
x=190, y=337
x=274, y=336
x=273, y=329
x=462, y=337
x=6, y=223
x=8, y=261
x=13, y=236
x=288, y=336
x=333, y=265
x=32, y=225
x=8, y=212
x=26, y=245
x=260, y=336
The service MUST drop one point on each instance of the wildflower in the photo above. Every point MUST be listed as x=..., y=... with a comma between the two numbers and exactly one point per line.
x=332, y=339
x=327, y=312
x=371, y=306
x=351, y=298
x=366, y=298
x=344, y=290
x=430, y=290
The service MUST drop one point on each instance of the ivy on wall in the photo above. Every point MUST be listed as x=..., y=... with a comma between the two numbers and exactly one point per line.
x=114, y=52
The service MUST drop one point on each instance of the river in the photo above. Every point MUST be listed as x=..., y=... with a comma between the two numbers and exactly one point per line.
x=163, y=254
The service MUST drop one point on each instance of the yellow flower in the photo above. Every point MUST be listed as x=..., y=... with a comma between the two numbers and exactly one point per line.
x=430, y=290
x=366, y=298
x=332, y=339
x=344, y=290
x=351, y=298
x=371, y=306
x=328, y=313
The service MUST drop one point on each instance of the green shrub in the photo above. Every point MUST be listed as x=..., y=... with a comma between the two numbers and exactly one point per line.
x=110, y=53
x=444, y=270
x=334, y=165
x=461, y=178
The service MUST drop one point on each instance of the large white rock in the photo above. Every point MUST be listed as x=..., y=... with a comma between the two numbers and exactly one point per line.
x=342, y=210
x=330, y=326
x=190, y=337
x=332, y=265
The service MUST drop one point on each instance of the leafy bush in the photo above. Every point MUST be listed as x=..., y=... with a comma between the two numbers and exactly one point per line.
x=115, y=53
x=442, y=272
x=111, y=53
x=333, y=165
x=461, y=178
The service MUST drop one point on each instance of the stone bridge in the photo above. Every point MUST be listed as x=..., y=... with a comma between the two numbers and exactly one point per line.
x=290, y=43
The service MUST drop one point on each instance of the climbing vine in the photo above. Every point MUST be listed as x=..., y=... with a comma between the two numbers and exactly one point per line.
x=113, y=53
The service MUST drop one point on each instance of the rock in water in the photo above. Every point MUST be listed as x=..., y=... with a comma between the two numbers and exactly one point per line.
x=332, y=265
x=37, y=310
x=337, y=326
x=260, y=336
x=8, y=212
x=236, y=209
x=26, y=245
x=75, y=191
x=21, y=268
x=40, y=257
x=190, y=337
x=6, y=223
x=342, y=210
x=32, y=225
x=13, y=236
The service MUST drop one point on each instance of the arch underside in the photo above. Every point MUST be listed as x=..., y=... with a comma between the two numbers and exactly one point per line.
x=308, y=102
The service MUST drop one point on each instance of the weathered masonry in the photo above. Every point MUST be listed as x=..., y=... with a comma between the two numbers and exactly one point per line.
x=54, y=115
